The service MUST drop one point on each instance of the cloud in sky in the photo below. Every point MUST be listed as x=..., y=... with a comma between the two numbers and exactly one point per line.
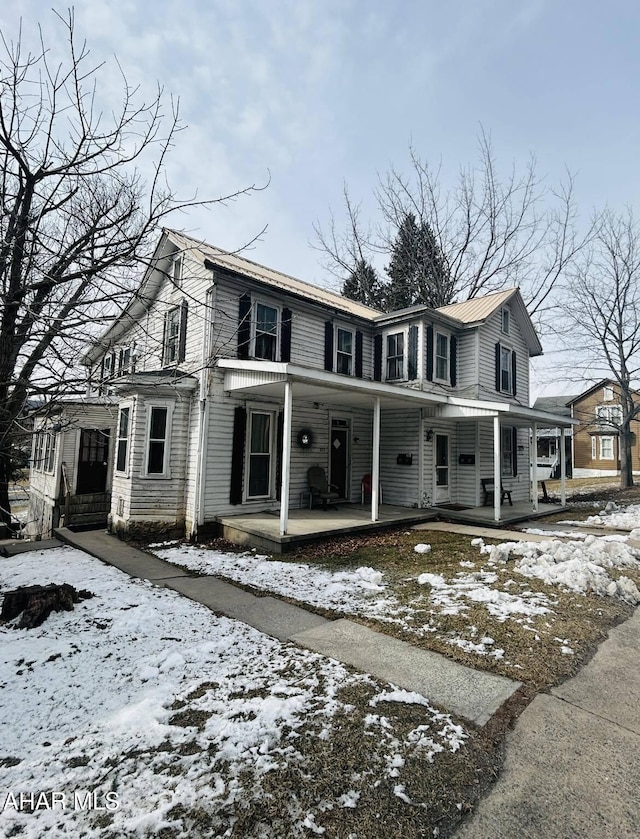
x=312, y=94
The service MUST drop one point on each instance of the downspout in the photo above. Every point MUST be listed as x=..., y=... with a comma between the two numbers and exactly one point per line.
x=534, y=466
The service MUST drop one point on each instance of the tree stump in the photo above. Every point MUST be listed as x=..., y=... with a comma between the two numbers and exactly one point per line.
x=35, y=603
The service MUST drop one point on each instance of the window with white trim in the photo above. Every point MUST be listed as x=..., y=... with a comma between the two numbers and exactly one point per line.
x=176, y=271
x=172, y=335
x=507, y=453
x=594, y=448
x=395, y=355
x=45, y=451
x=344, y=351
x=609, y=415
x=266, y=323
x=442, y=357
x=606, y=448
x=506, y=321
x=506, y=370
x=607, y=394
x=122, y=444
x=158, y=435
x=260, y=445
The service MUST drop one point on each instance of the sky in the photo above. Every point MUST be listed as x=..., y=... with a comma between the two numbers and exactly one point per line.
x=306, y=96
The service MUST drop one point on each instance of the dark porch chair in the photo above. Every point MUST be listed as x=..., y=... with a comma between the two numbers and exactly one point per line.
x=488, y=487
x=319, y=489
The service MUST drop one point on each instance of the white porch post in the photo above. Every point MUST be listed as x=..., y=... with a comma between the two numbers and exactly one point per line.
x=375, y=466
x=496, y=469
x=286, y=458
x=563, y=468
x=534, y=466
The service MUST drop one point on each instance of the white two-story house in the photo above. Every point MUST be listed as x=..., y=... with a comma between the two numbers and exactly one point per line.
x=223, y=382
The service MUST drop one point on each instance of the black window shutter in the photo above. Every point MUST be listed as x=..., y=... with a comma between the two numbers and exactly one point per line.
x=453, y=360
x=279, y=445
x=244, y=326
x=328, y=345
x=237, y=455
x=429, y=353
x=498, y=388
x=164, y=338
x=358, y=354
x=377, y=358
x=513, y=373
x=412, y=353
x=182, y=345
x=514, y=446
x=285, y=336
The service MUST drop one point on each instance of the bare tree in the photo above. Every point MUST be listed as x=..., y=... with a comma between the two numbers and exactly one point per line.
x=76, y=217
x=601, y=307
x=489, y=232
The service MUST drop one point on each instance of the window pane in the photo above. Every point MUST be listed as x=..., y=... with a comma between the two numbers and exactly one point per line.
x=260, y=433
x=266, y=319
x=265, y=346
x=156, y=457
x=158, y=423
x=345, y=341
x=123, y=429
x=121, y=460
x=259, y=475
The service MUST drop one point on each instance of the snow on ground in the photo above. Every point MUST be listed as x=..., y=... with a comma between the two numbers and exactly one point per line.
x=576, y=565
x=614, y=517
x=90, y=707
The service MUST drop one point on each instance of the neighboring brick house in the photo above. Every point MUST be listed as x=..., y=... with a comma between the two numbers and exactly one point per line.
x=596, y=448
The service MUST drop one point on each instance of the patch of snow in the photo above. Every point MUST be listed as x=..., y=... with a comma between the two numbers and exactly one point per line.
x=422, y=548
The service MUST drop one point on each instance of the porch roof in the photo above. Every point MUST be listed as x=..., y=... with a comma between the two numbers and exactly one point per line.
x=268, y=378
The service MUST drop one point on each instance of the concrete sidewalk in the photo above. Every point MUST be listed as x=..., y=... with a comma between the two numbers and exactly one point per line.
x=472, y=694
x=572, y=768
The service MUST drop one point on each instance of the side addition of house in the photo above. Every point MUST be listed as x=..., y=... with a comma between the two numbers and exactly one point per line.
x=223, y=383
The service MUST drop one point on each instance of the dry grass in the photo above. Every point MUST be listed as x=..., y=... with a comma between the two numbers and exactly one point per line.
x=533, y=653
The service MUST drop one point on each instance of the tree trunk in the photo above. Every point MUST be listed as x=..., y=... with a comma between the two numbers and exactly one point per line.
x=626, y=465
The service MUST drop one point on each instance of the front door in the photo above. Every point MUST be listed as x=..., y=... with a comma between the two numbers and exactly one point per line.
x=93, y=459
x=339, y=456
x=443, y=493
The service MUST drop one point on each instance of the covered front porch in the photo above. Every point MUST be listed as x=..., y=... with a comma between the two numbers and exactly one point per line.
x=421, y=443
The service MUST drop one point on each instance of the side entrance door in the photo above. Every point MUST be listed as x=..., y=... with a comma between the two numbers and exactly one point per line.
x=93, y=460
x=443, y=492
x=339, y=447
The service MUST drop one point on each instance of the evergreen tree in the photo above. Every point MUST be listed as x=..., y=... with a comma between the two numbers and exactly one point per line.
x=363, y=285
x=417, y=270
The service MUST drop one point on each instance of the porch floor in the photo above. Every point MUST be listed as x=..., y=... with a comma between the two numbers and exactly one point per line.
x=521, y=511
x=262, y=530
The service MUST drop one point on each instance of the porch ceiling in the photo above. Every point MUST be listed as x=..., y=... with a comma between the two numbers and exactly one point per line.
x=269, y=378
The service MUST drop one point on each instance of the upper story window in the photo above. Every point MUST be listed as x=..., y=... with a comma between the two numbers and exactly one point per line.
x=505, y=370
x=609, y=414
x=506, y=321
x=124, y=361
x=264, y=330
x=175, y=334
x=265, y=338
x=395, y=355
x=607, y=394
x=442, y=357
x=344, y=351
x=175, y=272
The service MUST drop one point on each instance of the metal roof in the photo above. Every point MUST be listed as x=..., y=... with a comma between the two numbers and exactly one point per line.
x=202, y=251
x=478, y=308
